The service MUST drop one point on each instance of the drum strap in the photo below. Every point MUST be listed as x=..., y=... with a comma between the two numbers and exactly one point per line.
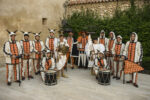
x=100, y=62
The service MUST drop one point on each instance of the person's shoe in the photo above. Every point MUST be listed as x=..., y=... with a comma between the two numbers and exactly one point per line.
x=63, y=75
x=117, y=78
x=96, y=77
x=134, y=84
x=114, y=77
x=9, y=83
x=129, y=81
x=36, y=73
x=58, y=75
x=30, y=77
x=72, y=67
x=18, y=81
x=23, y=78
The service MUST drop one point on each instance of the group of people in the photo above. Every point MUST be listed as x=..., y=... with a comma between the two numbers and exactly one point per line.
x=25, y=57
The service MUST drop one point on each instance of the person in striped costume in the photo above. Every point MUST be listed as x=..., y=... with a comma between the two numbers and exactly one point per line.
x=133, y=52
x=118, y=62
x=102, y=39
x=70, y=41
x=51, y=42
x=100, y=63
x=12, y=51
x=38, y=48
x=48, y=63
x=27, y=49
x=110, y=45
x=82, y=41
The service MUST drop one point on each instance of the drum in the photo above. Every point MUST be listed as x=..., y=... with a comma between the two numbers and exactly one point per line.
x=104, y=77
x=50, y=77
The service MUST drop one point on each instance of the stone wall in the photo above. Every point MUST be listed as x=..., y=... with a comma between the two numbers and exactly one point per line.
x=26, y=15
x=105, y=8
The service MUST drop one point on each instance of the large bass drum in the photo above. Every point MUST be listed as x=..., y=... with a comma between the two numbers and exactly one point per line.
x=50, y=77
x=104, y=77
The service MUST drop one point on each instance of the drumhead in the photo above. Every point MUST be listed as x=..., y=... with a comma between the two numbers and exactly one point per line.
x=50, y=71
x=105, y=71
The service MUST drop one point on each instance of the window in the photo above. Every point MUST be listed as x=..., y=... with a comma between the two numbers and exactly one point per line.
x=44, y=21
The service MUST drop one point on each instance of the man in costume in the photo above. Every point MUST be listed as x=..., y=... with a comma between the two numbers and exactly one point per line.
x=70, y=41
x=118, y=62
x=62, y=49
x=110, y=45
x=51, y=42
x=12, y=51
x=133, y=52
x=48, y=63
x=38, y=48
x=102, y=39
x=92, y=50
x=27, y=49
x=100, y=63
x=82, y=41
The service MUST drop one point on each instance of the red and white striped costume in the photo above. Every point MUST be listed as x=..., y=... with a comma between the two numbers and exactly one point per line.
x=134, y=53
x=118, y=52
x=51, y=43
x=103, y=40
x=27, y=48
x=38, y=48
x=12, y=48
x=47, y=64
x=110, y=45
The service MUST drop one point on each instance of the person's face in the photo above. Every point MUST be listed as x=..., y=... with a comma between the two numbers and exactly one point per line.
x=51, y=34
x=48, y=55
x=37, y=38
x=118, y=39
x=95, y=41
x=13, y=37
x=102, y=34
x=133, y=37
x=70, y=34
x=61, y=38
x=83, y=34
x=101, y=55
x=111, y=35
x=26, y=37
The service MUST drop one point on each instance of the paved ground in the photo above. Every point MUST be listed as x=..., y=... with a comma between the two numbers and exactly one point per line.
x=79, y=86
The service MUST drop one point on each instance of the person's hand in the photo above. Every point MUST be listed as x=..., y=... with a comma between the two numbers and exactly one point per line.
x=26, y=54
x=123, y=57
x=138, y=63
x=13, y=56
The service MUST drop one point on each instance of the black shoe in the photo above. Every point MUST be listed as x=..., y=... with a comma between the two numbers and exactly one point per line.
x=134, y=84
x=129, y=81
x=72, y=67
x=114, y=77
x=30, y=77
x=9, y=83
x=18, y=81
x=117, y=78
x=96, y=78
x=23, y=78
x=36, y=73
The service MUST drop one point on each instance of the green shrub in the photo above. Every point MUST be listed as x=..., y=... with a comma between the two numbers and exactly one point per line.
x=122, y=23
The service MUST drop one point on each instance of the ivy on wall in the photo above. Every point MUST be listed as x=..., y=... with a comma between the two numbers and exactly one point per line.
x=122, y=23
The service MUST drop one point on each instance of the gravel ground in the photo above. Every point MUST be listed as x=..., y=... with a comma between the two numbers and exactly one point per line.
x=79, y=86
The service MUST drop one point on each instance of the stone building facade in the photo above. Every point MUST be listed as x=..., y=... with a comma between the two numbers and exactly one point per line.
x=105, y=8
